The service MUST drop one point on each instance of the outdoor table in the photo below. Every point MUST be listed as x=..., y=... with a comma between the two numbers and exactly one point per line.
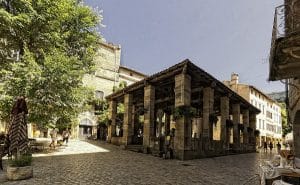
x=292, y=176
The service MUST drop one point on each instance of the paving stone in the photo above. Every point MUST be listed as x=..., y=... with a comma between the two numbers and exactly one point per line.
x=107, y=164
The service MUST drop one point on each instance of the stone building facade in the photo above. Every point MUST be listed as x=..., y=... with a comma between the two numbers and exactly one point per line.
x=108, y=73
x=268, y=122
x=174, y=112
x=285, y=60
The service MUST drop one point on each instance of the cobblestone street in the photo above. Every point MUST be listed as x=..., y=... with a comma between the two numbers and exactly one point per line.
x=112, y=165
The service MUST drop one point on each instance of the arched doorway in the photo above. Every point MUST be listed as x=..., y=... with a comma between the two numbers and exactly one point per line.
x=101, y=132
x=85, y=128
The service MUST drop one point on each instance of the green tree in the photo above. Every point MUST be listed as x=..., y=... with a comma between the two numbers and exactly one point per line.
x=46, y=47
x=121, y=86
x=286, y=128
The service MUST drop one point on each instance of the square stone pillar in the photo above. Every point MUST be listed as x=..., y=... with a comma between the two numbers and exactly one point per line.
x=183, y=130
x=246, y=124
x=199, y=128
x=149, y=105
x=252, y=124
x=236, y=113
x=296, y=136
x=134, y=117
x=208, y=108
x=127, y=123
x=224, y=116
x=112, y=116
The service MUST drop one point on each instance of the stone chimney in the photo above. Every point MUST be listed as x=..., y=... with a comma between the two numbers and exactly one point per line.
x=234, y=79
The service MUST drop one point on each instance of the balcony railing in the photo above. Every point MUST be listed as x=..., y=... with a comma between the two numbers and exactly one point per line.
x=286, y=25
x=286, y=21
x=278, y=28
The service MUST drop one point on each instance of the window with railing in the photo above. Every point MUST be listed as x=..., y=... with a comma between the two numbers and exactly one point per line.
x=99, y=95
x=269, y=114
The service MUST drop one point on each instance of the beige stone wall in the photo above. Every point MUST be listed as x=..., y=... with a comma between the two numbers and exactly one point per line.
x=241, y=89
x=268, y=127
x=107, y=62
x=294, y=112
x=294, y=96
x=107, y=75
x=129, y=75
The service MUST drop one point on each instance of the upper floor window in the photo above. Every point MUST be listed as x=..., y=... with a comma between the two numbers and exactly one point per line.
x=99, y=95
x=269, y=115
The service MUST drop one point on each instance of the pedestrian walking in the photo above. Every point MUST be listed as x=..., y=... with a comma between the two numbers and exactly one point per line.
x=271, y=146
x=66, y=136
x=265, y=147
x=278, y=147
x=53, y=135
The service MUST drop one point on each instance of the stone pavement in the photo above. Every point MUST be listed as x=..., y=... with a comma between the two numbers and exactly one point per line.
x=109, y=164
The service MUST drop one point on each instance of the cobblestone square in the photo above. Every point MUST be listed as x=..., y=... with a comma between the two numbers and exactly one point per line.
x=113, y=165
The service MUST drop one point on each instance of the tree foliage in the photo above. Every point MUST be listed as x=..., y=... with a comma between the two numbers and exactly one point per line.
x=286, y=128
x=121, y=86
x=46, y=47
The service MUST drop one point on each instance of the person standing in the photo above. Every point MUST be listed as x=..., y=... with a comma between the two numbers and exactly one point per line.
x=66, y=136
x=271, y=146
x=278, y=147
x=53, y=135
x=265, y=147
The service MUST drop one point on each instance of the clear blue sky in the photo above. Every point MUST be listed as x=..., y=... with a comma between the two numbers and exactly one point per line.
x=220, y=36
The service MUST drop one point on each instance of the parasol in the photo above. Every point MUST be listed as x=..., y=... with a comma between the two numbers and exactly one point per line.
x=17, y=130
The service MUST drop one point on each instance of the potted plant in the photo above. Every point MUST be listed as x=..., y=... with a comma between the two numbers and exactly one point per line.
x=229, y=123
x=249, y=129
x=182, y=111
x=256, y=133
x=213, y=118
x=141, y=111
x=20, y=168
x=241, y=127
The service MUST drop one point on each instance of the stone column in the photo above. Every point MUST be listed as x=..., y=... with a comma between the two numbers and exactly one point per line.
x=112, y=116
x=208, y=108
x=127, y=123
x=246, y=124
x=134, y=117
x=182, y=138
x=224, y=116
x=149, y=104
x=167, y=124
x=199, y=128
x=252, y=124
x=236, y=120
